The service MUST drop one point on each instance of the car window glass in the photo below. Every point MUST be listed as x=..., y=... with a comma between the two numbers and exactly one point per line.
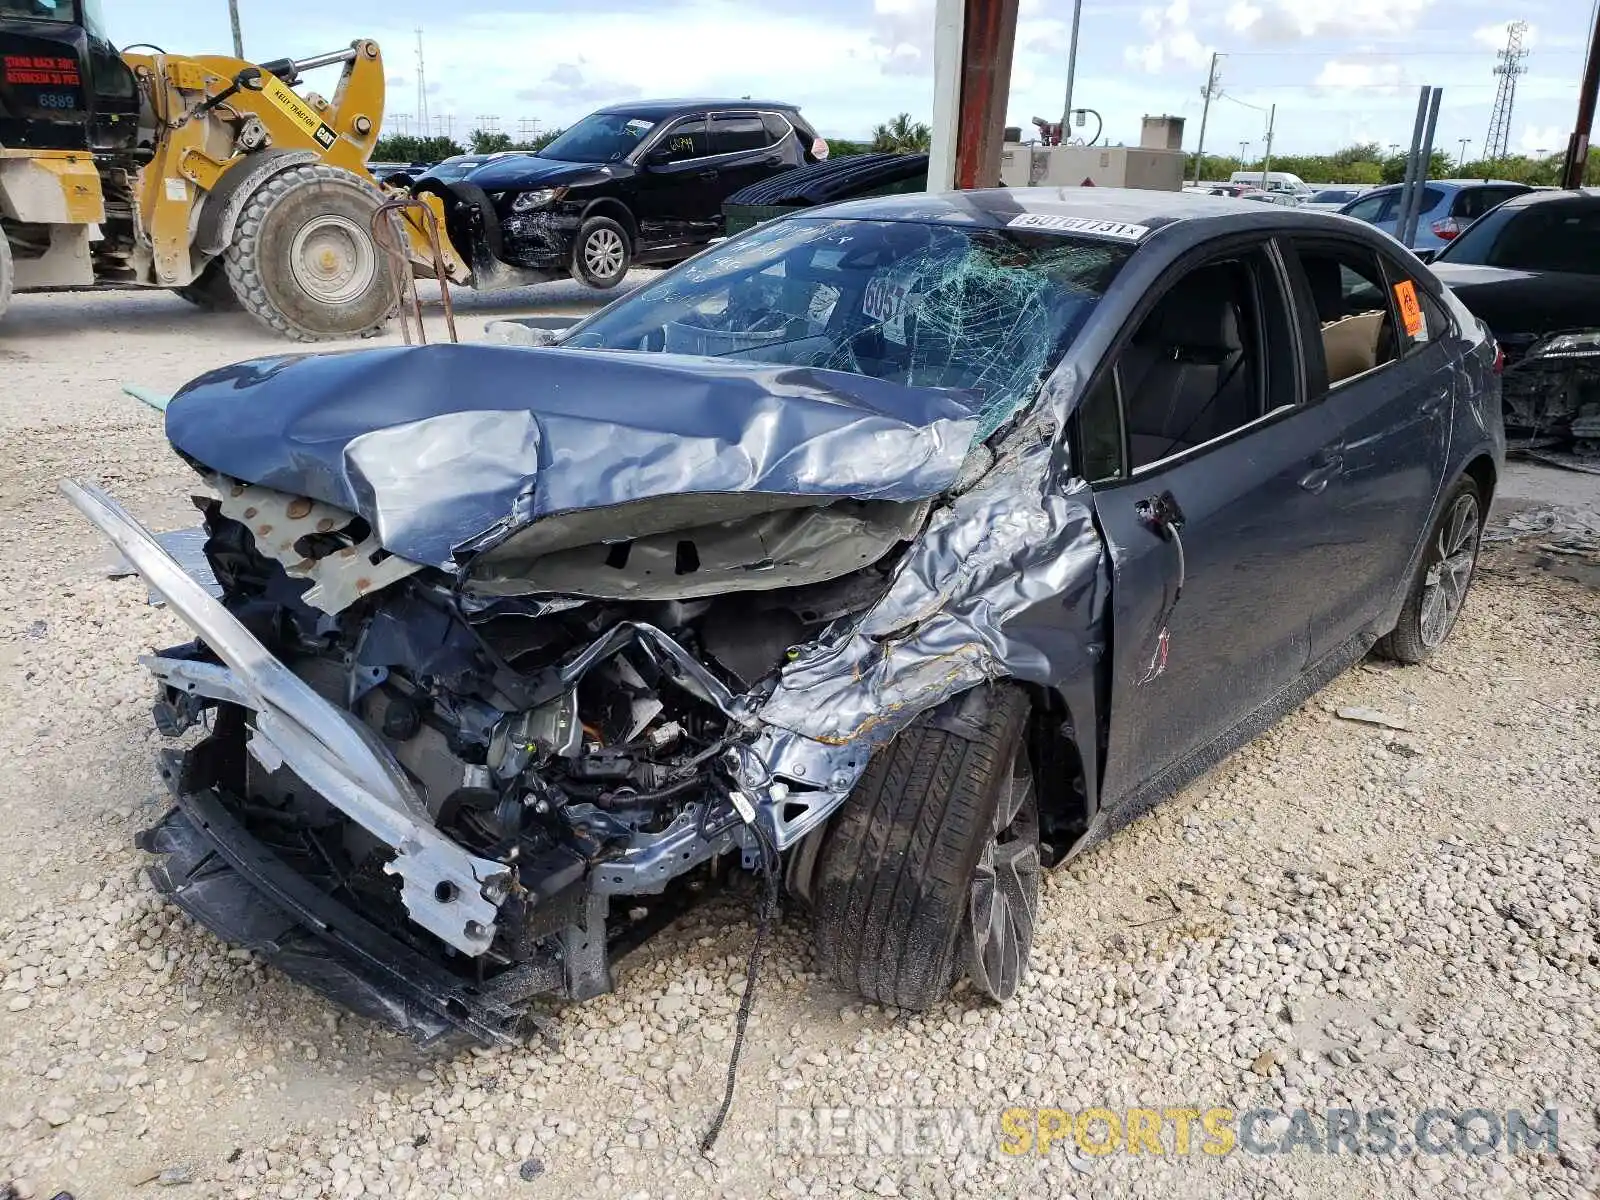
x=1350, y=296
x=1100, y=431
x=600, y=137
x=1550, y=237
x=686, y=139
x=1471, y=203
x=1432, y=197
x=1371, y=208
x=730, y=134
x=986, y=312
x=1194, y=370
x=777, y=128
x=1436, y=322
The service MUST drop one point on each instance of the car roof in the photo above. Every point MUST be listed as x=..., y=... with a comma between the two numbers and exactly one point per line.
x=660, y=109
x=998, y=207
x=1451, y=183
x=1544, y=196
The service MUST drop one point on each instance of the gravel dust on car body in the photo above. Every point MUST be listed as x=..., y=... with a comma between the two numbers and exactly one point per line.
x=1342, y=915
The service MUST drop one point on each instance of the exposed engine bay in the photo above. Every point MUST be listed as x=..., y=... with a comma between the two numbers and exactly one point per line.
x=593, y=748
x=1552, y=397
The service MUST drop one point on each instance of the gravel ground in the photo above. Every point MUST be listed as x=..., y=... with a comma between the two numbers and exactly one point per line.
x=1342, y=915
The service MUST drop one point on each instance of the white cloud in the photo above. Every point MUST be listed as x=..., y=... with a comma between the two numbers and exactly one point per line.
x=1494, y=36
x=1277, y=21
x=1549, y=138
x=1172, y=42
x=1340, y=75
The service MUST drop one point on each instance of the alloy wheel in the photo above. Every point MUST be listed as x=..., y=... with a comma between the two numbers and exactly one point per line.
x=1003, y=898
x=1444, y=587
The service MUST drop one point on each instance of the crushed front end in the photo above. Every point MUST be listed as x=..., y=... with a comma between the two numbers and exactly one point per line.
x=434, y=784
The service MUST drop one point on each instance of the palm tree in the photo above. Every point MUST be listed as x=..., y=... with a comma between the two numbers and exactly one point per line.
x=902, y=135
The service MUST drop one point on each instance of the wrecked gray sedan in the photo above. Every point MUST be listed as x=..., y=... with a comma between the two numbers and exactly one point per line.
x=890, y=553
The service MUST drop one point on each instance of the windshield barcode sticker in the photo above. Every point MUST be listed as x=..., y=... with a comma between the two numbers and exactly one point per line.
x=1120, y=230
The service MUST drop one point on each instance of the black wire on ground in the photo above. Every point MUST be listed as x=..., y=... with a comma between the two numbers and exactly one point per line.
x=765, y=913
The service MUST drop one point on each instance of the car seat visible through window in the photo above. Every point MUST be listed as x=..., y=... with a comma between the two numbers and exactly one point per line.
x=1191, y=373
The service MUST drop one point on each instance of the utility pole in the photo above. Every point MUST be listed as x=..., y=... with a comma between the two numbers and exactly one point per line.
x=1208, y=92
x=1512, y=64
x=238, y=37
x=1577, y=161
x=1266, y=157
x=1072, y=65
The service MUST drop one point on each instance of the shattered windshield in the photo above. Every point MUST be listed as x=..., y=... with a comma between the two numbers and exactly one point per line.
x=603, y=137
x=987, y=311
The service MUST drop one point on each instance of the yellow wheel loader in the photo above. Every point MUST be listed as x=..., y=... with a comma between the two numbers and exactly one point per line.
x=205, y=175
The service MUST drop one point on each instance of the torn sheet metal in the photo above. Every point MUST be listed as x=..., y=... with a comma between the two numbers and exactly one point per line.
x=446, y=890
x=436, y=445
x=314, y=541
x=978, y=597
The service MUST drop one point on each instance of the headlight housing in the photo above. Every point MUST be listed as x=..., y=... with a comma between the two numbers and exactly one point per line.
x=539, y=198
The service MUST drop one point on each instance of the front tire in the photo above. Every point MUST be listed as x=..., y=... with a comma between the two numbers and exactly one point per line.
x=601, y=253
x=932, y=864
x=303, y=260
x=1439, y=590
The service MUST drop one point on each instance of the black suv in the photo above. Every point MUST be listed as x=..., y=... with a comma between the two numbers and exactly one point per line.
x=628, y=185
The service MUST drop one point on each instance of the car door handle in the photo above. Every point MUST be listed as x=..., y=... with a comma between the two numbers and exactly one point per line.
x=708, y=174
x=1433, y=403
x=1328, y=464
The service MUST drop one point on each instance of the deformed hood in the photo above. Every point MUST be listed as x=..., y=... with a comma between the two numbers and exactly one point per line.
x=438, y=445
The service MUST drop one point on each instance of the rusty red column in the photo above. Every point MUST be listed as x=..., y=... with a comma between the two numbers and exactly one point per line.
x=989, y=33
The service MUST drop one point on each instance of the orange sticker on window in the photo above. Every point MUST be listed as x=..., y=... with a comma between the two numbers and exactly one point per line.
x=1410, y=311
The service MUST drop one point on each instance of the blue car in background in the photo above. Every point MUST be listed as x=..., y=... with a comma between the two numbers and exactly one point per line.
x=1448, y=207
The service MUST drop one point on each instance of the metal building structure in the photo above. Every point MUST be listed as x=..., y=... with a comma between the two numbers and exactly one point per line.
x=1511, y=64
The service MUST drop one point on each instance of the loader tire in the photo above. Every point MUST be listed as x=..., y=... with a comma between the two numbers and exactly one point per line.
x=303, y=260
x=210, y=290
x=932, y=863
x=7, y=274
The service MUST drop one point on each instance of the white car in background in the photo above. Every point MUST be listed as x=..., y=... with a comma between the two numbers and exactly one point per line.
x=1334, y=197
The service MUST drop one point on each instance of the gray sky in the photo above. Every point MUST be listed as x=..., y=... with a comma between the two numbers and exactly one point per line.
x=1338, y=70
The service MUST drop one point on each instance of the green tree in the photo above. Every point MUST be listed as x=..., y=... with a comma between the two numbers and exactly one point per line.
x=902, y=135
x=406, y=148
x=484, y=141
x=539, y=141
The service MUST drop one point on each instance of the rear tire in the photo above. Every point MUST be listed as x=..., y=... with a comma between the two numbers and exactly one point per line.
x=601, y=253
x=1439, y=589
x=303, y=260
x=210, y=290
x=932, y=863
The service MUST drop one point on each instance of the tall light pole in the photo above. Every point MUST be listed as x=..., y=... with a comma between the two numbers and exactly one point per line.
x=1072, y=66
x=238, y=37
x=1243, y=146
x=1461, y=161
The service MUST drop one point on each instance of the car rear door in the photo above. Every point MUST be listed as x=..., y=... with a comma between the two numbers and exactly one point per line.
x=1382, y=372
x=746, y=151
x=1205, y=466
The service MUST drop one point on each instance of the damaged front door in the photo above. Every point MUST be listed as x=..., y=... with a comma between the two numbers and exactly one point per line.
x=1207, y=514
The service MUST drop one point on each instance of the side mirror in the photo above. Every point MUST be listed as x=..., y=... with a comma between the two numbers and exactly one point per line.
x=1426, y=255
x=658, y=157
